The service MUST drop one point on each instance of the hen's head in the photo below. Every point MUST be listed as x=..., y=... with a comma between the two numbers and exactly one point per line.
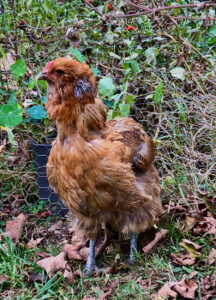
x=64, y=73
x=70, y=83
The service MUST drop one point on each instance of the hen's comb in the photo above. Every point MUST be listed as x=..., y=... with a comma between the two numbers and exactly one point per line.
x=48, y=65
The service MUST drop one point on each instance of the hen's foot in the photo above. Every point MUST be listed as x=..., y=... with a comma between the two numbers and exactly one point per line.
x=91, y=267
x=133, y=249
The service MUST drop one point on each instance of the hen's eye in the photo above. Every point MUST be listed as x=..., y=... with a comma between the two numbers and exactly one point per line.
x=59, y=72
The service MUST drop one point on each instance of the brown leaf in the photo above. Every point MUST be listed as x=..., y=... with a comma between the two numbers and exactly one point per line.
x=33, y=243
x=2, y=148
x=53, y=264
x=104, y=295
x=14, y=228
x=208, y=286
x=183, y=259
x=159, y=235
x=87, y=298
x=191, y=248
x=212, y=256
x=78, y=273
x=190, y=222
x=68, y=276
x=4, y=278
x=72, y=251
x=33, y=276
x=186, y=288
x=166, y=292
x=206, y=225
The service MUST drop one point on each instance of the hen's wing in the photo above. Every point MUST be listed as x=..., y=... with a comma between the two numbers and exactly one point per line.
x=132, y=135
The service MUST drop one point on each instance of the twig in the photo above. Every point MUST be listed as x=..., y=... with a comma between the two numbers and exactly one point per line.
x=154, y=10
x=193, y=18
x=138, y=6
x=94, y=8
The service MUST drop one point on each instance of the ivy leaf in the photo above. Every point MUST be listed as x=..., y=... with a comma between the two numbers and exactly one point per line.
x=18, y=69
x=124, y=110
x=31, y=84
x=95, y=71
x=106, y=87
x=77, y=54
x=212, y=31
x=178, y=72
x=37, y=112
x=11, y=137
x=10, y=114
x=151, y=54
x=116, y=99
x=43, y=99
x=129, y=99
x=158, y=94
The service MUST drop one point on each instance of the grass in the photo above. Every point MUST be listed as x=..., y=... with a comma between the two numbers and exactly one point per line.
x=180, y=118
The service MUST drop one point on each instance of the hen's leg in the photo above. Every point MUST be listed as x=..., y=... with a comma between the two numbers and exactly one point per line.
x=133, y=248
x=90, y=264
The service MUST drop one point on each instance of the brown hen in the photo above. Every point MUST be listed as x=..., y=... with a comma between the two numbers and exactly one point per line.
x=102, y=170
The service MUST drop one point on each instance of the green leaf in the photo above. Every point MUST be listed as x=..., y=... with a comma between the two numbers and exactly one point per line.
x=77, y=54
x=129, y=99
x=32, y=83
x=158, y=94
x=11, y=137
x=112, y=54
x=95, y=71
x=18, y=69
x=10, y=114
x=116, y=99
x=178, y=72
x=124, y=110
x=151, y=54
x=43, y=99
x=106, y=87
x=12, y=98
x=37, y=112
x=212, y=31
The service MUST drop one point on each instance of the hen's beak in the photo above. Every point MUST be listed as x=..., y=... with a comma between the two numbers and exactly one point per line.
x=42, y=76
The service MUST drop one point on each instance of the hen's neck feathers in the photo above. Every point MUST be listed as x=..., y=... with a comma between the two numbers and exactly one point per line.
x=72, y=118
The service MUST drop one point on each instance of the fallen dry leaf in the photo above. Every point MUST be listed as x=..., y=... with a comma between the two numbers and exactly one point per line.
x=159, y=235
x=53, y=264
x=33, y=243
x=166, y=292
x=102, y=296
x=68, y=276
x=183, y=259
x=2, y=148
x=4, y=278
x=191, y=247
x=14, y=228
x=190, y=222
x=208, y=286
x=72, y=251
x=186, y=288
x=78, y=273
x=87, y=298
x=207, y=225
x=33, y=276
x=212, y=256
